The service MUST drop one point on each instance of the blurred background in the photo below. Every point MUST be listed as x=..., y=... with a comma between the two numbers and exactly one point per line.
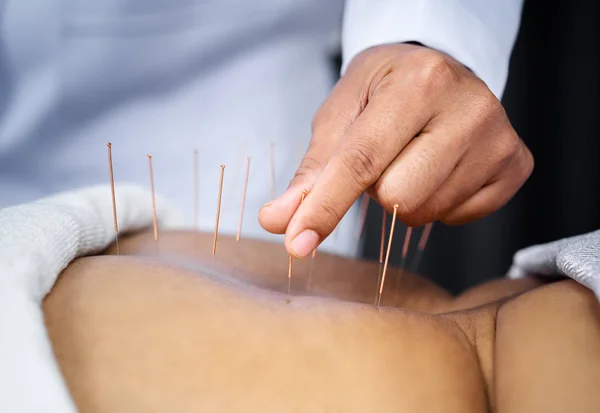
x=553, y=101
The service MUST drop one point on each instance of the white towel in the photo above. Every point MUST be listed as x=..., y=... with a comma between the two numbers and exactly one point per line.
x=37, y=241
x=575, y=257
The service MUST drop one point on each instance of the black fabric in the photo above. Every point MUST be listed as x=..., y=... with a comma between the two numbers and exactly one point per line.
x=553, y=101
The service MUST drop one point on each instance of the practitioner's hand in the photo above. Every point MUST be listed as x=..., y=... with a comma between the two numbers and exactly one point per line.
x=412, y=127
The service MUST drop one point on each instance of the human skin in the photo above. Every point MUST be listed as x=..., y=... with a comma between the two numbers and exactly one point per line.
x=168, y=327
x=413, y=128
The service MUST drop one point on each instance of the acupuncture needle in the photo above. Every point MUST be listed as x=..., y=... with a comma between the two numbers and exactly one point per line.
x=382, y=244
x=239, y=231
x=112, y=189
x=421, y=247
x=196, y=192
x=214, y=248
x=154, y=221
x=387, y=255
x=304, y=192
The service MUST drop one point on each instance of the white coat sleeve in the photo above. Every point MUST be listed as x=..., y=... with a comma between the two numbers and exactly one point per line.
x=478, y=33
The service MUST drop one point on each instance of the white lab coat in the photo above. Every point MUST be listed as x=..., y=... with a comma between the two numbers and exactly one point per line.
x=226, y=77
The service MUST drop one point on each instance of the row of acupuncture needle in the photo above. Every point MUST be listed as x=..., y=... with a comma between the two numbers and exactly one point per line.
x=196, y=198
x=114, y=200
x=196, y=201
x=364, y=205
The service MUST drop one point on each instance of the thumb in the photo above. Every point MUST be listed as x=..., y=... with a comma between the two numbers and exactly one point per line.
x=330, y=124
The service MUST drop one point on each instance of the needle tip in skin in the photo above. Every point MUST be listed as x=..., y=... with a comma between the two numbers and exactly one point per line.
x=154, y=220
x=214, y=248
x=196, y=194
x=114, y=201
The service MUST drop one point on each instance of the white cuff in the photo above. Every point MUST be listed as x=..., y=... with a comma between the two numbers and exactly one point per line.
x=478, y=33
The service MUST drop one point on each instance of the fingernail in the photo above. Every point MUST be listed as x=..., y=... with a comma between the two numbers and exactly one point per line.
x=304, y=243
x=275, y=201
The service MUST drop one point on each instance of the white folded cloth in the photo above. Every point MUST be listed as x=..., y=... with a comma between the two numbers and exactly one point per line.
x=576, y=257
x=37, y=241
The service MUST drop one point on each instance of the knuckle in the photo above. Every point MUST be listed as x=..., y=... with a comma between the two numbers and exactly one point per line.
x=307, y=168
x=491, y=125
x=436, y=72
x=301, y=173
x=317, y=119
x=530, y=162
x=361, y=162
x=487, y=110
x=492, y=110
x=484, y=111
x=329, y=214
x=508, y=146
x=526, y=163
x=513, y=143
x=310, y=163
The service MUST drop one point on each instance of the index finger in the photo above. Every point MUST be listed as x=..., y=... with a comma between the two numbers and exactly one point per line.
x=382, y=130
